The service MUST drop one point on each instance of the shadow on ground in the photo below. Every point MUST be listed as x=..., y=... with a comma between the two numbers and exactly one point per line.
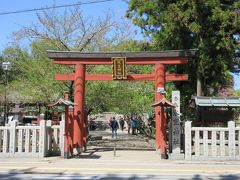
x=31, y=174
x=220, y=177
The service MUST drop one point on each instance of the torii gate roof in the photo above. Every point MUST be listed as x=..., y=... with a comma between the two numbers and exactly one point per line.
x=147, y=54
x=149, y=57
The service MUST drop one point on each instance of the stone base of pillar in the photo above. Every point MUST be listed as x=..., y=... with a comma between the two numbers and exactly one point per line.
x=66, y=155
x=162, y=155
x=78, y=151
x=85, y=148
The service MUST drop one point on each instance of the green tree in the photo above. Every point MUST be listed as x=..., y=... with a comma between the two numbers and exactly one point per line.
x=54, y=30
x=30, y=78
x=121, y=96
x=11, y=54
x=208, y=26
x=35, y=80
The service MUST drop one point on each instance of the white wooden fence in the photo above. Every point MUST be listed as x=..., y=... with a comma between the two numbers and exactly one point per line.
x=32, y=141
x=212, y=143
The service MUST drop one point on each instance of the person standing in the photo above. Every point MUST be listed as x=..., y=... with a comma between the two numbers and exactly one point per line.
x=134, y=125
x=121, y=121
x=109, y=122
x=128, y=120
x=114, y=126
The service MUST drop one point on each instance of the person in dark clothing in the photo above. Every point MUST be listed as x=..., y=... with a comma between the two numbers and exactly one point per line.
x=128, y=120
x=114, y=126
x=121, y=121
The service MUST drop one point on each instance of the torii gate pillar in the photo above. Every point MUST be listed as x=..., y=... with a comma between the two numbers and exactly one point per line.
x=160, y=118
x=79, y=93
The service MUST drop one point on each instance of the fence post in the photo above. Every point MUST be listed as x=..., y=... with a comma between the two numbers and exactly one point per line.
x=231, y=140
x=49, y=137
x=12, y=147
x=42, y=139
x=188, y=140
x=62, y=135
x=6, y=141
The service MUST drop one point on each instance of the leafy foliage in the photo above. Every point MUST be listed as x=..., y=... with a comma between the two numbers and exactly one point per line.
x=120, y=96
x=31, y=78
x=33, y=73
x=208, y=26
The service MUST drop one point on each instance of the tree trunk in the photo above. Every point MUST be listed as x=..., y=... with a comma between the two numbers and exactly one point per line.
x=199, y=84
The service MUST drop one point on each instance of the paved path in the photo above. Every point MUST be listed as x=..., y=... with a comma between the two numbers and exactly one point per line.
x=125, y=141
x=146, y=166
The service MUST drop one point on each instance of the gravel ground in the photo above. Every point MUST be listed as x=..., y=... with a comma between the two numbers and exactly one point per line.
x=125, y=141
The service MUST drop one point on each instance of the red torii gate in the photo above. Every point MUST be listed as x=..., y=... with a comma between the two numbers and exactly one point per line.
x=80, y=60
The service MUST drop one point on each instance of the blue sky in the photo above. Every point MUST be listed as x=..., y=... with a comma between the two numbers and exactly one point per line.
x=13, y=22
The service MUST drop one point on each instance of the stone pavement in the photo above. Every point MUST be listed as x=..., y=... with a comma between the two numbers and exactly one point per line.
x=123, y=162
x=132, y=163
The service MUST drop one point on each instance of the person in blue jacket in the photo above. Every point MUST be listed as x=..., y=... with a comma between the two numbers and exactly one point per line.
x=114, y=126
x=134, y=125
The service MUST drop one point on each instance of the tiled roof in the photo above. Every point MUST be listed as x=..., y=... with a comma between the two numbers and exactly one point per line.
x=217, y=101
x=163, y=102
x=62, y=102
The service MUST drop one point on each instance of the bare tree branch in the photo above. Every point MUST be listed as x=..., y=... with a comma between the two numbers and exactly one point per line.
x=70, y=30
